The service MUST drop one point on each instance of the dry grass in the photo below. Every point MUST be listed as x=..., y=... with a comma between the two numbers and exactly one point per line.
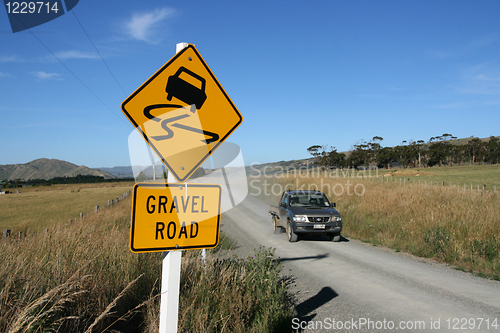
x=71, y=187
x=466, y=174
x=445, y=223
x=82, y=277
x=42, y=207
x=234, y=295
x=62, y=280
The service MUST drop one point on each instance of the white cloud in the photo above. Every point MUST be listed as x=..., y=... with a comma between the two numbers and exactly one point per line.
x=482, y=79
x=438, y=54
x=143, y=26
x=76, y=55
x=40, y=75
x=10, y=58
x=484, y=40
x=2, y=74
x=469, y=104
x=465, y=48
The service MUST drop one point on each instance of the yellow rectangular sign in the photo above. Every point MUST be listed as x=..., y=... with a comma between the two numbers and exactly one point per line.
x=175, y=216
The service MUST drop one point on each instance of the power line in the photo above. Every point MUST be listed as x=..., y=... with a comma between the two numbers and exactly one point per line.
x=76, y=77
x=73, y=11
x=69, y=70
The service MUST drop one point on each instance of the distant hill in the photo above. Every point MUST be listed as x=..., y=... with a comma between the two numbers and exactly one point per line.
x=119, y=171
x=128, y=171
x=279, y=167
x=45, y=168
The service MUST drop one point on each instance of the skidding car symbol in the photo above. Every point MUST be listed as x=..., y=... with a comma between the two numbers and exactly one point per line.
x=185, y=91
x=189, y=94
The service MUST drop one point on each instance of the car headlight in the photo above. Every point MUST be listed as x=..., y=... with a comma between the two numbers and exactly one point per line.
x=300, y=218
x=336, y=219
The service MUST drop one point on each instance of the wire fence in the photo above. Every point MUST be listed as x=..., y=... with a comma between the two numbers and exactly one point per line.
x=479, y=188
x=7, y=233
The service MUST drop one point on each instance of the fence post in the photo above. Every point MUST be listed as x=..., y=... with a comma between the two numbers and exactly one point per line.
x=484, y=189
x=19, y=235
x=6, y=233
x=477, y=188
x=96, y=208
x=81, y=216
x=443, y=183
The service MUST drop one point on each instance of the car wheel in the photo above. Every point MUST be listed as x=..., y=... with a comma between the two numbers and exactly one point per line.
x=276, y=228
x=334, y=237
x=292, y=236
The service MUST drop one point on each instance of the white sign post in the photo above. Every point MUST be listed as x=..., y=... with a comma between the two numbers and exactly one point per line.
x=170, y=283
x=171, y=274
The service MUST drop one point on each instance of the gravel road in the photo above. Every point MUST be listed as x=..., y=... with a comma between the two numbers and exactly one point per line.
x=352, y=286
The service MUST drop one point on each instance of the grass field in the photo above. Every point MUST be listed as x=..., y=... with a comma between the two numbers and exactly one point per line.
x=41, y=207
x=82, y=277
x=473, y=174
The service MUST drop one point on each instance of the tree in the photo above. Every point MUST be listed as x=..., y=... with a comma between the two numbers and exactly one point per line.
x=335, y=159
x=446, y=136
x=475, y=148
x=440, y=151
x=327, y=159
x=316, y=153
x=403, y=154
x=419, y=147
x=359, y=155
x=141, y=177
x=385, y=157
x=374, y=149
x=493, y=150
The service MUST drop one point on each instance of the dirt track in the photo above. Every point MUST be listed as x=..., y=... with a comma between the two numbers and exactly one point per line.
x=350, y=283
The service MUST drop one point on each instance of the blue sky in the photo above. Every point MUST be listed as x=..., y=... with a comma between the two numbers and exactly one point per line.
x=300, y=72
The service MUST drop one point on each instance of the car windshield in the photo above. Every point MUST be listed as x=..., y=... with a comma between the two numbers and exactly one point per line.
x=309, y=200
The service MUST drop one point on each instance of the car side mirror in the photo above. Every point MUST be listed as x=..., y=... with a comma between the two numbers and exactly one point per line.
x=333, y=205
x=283, y=205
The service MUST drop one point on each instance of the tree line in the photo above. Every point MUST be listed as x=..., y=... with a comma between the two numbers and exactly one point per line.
x=438, y=151
x=79, y=179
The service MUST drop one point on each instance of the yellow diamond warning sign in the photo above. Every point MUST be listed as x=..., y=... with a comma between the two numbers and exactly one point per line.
x=175, y=216
x=183, y=112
